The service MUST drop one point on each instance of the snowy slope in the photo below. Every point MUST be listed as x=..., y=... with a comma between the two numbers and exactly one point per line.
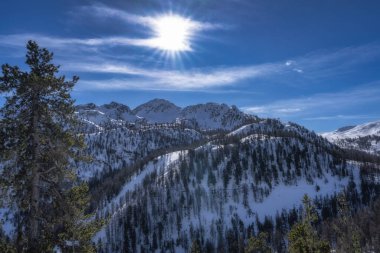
x=266, y=170
x=364, y=137
x=371, y=128
x=90, y=113
x=118, y=148
x=215, y=116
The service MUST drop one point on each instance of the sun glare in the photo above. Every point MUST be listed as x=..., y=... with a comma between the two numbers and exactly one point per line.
x=173, y=33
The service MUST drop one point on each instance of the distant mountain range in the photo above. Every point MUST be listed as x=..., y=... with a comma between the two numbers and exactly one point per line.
x=209, y=116
x=364, y=137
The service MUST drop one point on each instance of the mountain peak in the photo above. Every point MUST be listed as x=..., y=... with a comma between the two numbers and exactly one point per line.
x=156, y=104
x=158, y=111
x=116, y=105
x=88, y=106
x=215, y=116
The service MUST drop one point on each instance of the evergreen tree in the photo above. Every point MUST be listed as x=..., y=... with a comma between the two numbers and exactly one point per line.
x=38, y=144
x=303, y=238
x=5, y=246
x=195, y=247
x=258, y=244
x=348, y=235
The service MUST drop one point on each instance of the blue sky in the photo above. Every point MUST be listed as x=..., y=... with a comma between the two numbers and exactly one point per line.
x=313, y=62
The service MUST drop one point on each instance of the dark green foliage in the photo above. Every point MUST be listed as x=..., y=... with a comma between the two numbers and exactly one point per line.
x=347, y=232
x=195, y=247
x=38, y=144
x=5, y=245
x=258, y=244
x=303, y=237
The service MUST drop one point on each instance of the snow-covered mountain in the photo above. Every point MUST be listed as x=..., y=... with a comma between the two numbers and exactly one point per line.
x=210, y=116
x=364, y=137
x=118, y=111
x=158, y=111
x=117, y=136
x=215, y=116
x=96, y=117
x=239, y=181
x=351, y=132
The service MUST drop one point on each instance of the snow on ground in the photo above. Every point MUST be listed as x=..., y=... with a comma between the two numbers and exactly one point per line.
x=371, y=128
x=160, y=165
x=245, y=129
x=5, y=221
x=282, y=197
x=289, y=196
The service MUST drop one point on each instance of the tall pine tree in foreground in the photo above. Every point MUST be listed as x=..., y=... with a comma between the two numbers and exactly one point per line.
x=38, y=144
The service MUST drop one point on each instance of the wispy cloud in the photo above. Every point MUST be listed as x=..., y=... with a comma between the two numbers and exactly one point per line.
x=194, y=79
x=337, y=117
x=152, y=23
x=57, y=42
x=149, y=21
x=136, y=77
x=327, y=63
x=76, y=55
x=318, y=103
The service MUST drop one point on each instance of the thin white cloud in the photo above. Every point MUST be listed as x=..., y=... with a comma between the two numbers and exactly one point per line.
x=195, y=79
x=324, y=64
x=190, y=79
x=61, y=43
x=337, y=117
x=289, y=62
x=318, y=103
x=288, y=110
x=149, y=21
x=73, y=54
x=168, y=31
x=298, y=70
x=151, y=40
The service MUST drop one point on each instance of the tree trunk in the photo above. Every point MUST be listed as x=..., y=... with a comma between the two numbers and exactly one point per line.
x=34, y=212
x=34, y=236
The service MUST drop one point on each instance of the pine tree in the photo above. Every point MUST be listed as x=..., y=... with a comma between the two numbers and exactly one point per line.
x=195, y=247
x=38, y=144
x=258, y=244
x=5, y=246
x=347, y=232
x=303, y=238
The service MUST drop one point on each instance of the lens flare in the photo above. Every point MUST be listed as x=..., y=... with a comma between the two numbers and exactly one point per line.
x=172, y=33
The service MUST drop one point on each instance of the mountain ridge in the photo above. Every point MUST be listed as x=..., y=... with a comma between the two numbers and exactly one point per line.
x=365, y=137
x=208, y=116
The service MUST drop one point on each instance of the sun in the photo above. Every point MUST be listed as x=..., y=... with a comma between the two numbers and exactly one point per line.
x=172, y=33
